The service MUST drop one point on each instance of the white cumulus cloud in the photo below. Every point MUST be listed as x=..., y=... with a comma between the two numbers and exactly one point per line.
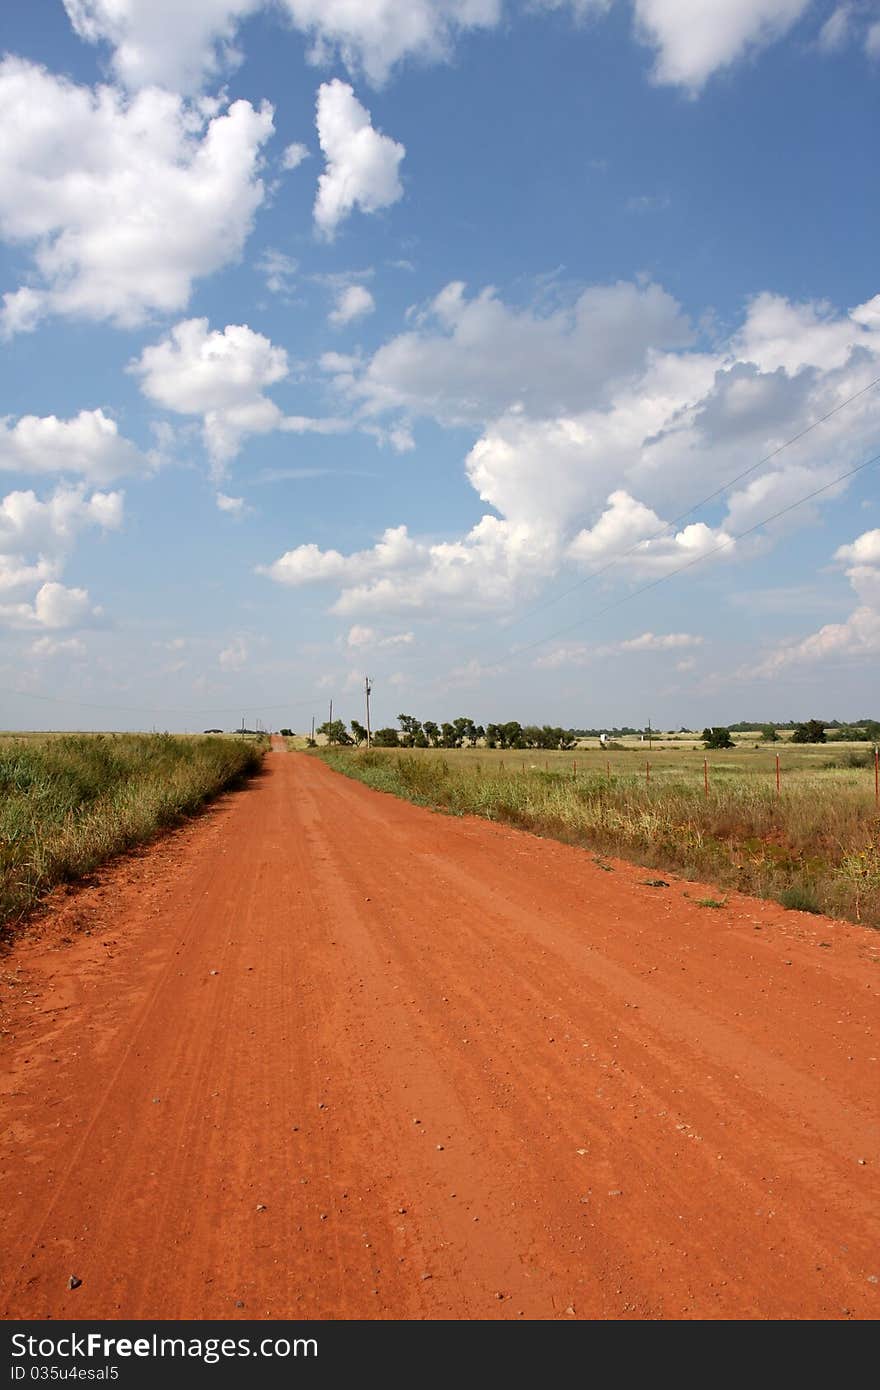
x=122, y=202
x=54, y=606
x=222, y=377
x=858, y=637
x=598, y=421
x=660, y=642
x=360, y=637
x=372, y=36
x=361, y=164
x=184, y=45
x=163, y=42
x=219, y=376
x=88, y=444
x=694, y=39
x=352, y=302
x=294, y=155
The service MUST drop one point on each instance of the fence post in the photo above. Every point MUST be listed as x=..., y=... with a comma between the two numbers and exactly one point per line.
x=876, y=775
x=706, y=777
x=777, y=774
x=608, y=769
x=647, y=774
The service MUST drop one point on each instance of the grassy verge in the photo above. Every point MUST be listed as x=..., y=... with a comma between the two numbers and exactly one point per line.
x=816, y=847
x=68, y=803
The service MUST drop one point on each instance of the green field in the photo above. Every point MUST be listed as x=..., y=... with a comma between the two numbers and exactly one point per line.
x=815, y=845
x=70, y=801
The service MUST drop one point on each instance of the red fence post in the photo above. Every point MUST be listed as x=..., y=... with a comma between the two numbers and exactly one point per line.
x=706, y=777
x=647, y=774
x=876, y=775
x=777, y=774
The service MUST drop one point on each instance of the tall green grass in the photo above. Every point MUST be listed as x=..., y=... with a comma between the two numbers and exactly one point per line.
x=68, y=803
x=817, y=846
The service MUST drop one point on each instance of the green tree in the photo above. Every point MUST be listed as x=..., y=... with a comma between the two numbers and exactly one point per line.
x=769, y=734
x=432, y=732
x=718, y=738
x=359, y=733
x=386, y=738
x=410, y=728
x=335, y=732
x=464, y=731
x=811, y=731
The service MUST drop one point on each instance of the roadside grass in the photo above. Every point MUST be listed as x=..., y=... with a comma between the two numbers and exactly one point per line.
x=68, y=802
x=816, y=847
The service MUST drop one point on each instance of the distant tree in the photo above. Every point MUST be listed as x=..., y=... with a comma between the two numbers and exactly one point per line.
x=769, y=734
x=465, y=731
x=811, y=731
x=410, y=727
x=447, y=736
x=359, y=733
x=421, y=740
x=478, y=733
x=335, y=732
x=386, y=738
x=493, y=736
x=511, y=734
x=287, y=733
x=718, y=738
x=432, y=732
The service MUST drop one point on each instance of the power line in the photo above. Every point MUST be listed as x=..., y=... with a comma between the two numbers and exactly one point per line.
x=724, y=545
x=622, y=555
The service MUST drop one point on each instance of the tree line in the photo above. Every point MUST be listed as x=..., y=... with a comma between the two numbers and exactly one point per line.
x=457, y=733
x=807, y=731
x=465, y=733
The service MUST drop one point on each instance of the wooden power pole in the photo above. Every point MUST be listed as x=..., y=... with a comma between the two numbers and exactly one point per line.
x=367, y=688
x=330, y=725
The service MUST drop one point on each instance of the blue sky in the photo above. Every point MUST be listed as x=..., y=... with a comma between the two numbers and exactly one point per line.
x=402, y=336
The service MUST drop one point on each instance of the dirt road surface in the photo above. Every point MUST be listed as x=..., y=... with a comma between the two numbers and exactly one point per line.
x=325, y=1054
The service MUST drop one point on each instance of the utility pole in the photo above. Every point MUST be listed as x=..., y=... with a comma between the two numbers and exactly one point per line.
x=330, y=726
x=650, y=737
x=367, y=688
x=313, y=728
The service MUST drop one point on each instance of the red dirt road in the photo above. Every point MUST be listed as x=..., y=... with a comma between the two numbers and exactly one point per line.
x=324, y=1054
